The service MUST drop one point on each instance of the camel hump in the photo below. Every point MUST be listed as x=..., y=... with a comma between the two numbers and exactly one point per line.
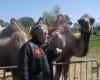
x=14, y=25
x=13, y=19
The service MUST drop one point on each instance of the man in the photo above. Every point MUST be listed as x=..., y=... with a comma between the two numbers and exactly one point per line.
x=33, y=63
x=51, y=53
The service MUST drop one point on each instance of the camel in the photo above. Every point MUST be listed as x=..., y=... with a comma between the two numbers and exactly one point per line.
x=14, y=36
x=63, y=38
x=11, y=40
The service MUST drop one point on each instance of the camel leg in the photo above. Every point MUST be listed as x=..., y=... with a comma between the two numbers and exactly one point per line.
x=65, y=68
x=14, y=74
x=65, y=71
x=58, y=72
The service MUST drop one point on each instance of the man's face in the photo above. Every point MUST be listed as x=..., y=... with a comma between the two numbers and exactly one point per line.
x=43, y=36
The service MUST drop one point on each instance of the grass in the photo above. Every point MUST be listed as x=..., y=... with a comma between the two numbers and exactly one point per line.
x=95, y=46
x=95, y=41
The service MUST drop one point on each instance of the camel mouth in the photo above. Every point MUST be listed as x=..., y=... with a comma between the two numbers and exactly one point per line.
x=81, y=55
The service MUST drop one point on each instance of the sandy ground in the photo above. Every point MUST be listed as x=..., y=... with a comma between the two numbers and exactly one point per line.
x=78, y=71
x=83, y=70
x=8, y=75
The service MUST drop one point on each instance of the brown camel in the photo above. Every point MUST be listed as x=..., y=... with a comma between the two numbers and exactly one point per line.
x=11, y=39
x=70, y=45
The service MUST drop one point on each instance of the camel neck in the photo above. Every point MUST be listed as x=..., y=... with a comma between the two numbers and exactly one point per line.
x=85, y=37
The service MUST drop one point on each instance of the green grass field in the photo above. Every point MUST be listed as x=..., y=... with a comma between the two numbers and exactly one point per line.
x=95, y=41
x=94, y=47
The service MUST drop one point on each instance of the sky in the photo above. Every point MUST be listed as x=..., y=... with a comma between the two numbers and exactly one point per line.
x=35, y=8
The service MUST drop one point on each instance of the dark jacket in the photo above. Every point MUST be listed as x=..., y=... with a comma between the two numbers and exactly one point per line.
x=32, y=64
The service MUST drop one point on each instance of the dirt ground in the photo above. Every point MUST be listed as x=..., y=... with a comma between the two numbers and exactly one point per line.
x=78, y=71
x=8, y=75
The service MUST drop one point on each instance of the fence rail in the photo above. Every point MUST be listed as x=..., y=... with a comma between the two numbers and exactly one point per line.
x=82, y=70
x=3, y=75
x=79, y=70
x=8, y=67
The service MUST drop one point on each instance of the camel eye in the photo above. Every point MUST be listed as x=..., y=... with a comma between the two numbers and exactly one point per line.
x=80, y=21
x=92, y=21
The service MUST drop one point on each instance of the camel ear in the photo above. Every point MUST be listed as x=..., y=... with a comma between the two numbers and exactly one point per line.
x=40, y=21
x=79, y=21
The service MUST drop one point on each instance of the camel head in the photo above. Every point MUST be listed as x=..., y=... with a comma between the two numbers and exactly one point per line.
x=86, y=22
x=58, y=39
